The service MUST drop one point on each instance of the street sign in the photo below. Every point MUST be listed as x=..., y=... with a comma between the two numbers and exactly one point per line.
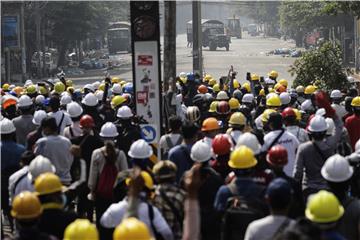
x=149, y=133
x=10, y=31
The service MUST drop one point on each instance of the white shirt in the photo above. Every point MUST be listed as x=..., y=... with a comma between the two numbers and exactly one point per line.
x=234, y=135
x=174, y=138
x=23, y=185
x=340, y=110
x=58, y=115
x=115, y=213
x=76, y=130
x=288, y=141
x=258, y=122
x=265, y=228
x=299, y=133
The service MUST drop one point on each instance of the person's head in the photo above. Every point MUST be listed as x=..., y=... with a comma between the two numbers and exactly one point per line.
x=289, y=116
x=49, y=126
x=175, y=124
x=54, y=103
x=87, y=123
x=49, y=190
x=26, y=210
x=242, y=161
x=26, y=158
x=275, y=121
x=277, y=157
x=317, y=128
x=108, y=131
x=189, y=131
x=8, y=130
x=81, y=229
x=148, y=186
x=278, y=195
x=210, y=127
x=132, y=228
x=355, y=103
x=165, y=171
x=140, y=151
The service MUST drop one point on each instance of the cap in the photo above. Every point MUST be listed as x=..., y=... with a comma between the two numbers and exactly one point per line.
x=279, y=191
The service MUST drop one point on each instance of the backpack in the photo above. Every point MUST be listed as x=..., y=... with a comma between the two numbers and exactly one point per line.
x=105, y=186
x=240, y=212
x=170, y=145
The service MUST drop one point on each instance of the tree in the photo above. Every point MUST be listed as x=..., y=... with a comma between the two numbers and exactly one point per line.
x=351, y=7
x=322, y=67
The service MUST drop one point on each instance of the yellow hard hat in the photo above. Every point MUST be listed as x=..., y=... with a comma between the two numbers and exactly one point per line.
x=234, y=103
x=5, y=86
x=47, y=183
x=273, y=74
x=242, y=158
x=59, y=87
x=207, y=77
x=31, y=89
x=237, y=118
x=148, y=181
x=69, y=83
x=236, y=84
x=273, y=101
x=132, y=229
x=26, y=205
x=70, y=90
x=355, y=102
x=310, y=89
x=297, y=113
x=265, y=115
x=123, y=82
x=115, y=80
x=323, y=207
x=18, y=90
x=262, y=92
x=247, y=87
x=216, y=88
x=81, y=229
x=183, y=80
x=271, y=90
x=283, y=82
x=43, y=90
x=213, y=106
x=212, y=82
x=255, y=77
x=117, y=101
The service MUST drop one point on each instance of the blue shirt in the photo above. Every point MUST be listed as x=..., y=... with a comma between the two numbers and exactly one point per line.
x=180, y=155
x=10, y=154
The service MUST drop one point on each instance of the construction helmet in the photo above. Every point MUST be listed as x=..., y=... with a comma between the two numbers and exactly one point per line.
x=221, y=144
x=115, y=80
x=148, y=181
x=26, y=206
x=38, y=117
x=90, y=100
x=202, y=89
x=99, y=94
x=247, y=98
x=213, y=106
x=310, y=89
x=331, y=126
x=164, y=169
x=117, y=101
x=337, y=169
x=8, y=100
x=236, y=84
x=249, y=140
x=255, y=77
x=24, y=101
x=222, y=95
x=5, y=86
x=277, y=156
x=81, y=229
x=273, y=101
x=140, y=149
x=223, y=108
x=323, y=207
x=336, y=94
x=132, y=228
x=266, y=114
x=212, y=82
x=288, y=112
x=283, y=82
x=108, y=130
x=96, y=85
x=216, y=88
x=7, y=126
x=124, y=112
x=318, y=124
x=31, y=89
x=39, y=99
x=192, y=113
x=237, y=119
x=69, y=83
x=74, y=109
x=300, y=89
x=355, y=102
x=59, y=87
x=207, y=77
x=247, y=87
x=298, y=114
x=279, y=88
x=18, y=90
x=116, y=88
x=234, y=104
x=47, y=183
x=242, y=158
x=273, y=74
x=102, y=87
x=285, y=98
x=200, y=152
x=210, y=124
x=306, y=106
x=89, y=87
x=262, y=92
x=87, y=121
x=39, y=165
x=69, y=90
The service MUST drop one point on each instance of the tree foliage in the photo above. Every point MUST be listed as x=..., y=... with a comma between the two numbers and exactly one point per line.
x=322, y=66
x=350, y=7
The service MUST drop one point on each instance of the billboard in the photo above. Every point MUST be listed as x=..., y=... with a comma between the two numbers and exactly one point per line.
x=10, y=31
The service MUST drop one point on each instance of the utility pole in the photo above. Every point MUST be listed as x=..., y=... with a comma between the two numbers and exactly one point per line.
x=38, y=38
x=197, y=39
x=23, y=46
x=169, y=44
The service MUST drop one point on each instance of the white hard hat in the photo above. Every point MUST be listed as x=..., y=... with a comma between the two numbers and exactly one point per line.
x=192, y=113
x=108, y=130
x=11, y=87
x=318, y=124
x=39, y=99
x=28, y=83
x=89, y=87
x=247, y=98
x=38, y=117
x=40, y=165
x=200, y=152
x=124, y=112
x=99, y=94
x=222, y=95
x=320, y=112
x=306, y=105
x=140, y=149
x=7, y=126
x=90, y=100
x=116, y=88
x=350, y=79
x=331, y=126
x=96, y=85
x=182, y=75
x=74, y=109
x=24, y=101
x=65, y=99
x=337, y=169
x=336, y=94
x=285, y=98
x=249, y=140
x=269, y=81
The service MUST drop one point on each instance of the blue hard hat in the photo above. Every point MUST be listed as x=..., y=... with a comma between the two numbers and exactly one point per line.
x=128, y=88
x=190, y=76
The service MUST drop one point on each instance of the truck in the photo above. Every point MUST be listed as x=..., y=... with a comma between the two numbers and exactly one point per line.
x=233, y=27
x=119, y=37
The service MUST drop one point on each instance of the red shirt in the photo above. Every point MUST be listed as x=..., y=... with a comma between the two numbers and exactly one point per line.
x=352, y=124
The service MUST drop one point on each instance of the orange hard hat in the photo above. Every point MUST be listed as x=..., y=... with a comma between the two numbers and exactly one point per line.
x=210, y=124
x=202, y=89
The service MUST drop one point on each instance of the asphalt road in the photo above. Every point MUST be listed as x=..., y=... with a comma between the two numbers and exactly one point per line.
x=248, y=54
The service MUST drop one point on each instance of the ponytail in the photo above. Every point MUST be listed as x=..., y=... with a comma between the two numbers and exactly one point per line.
x=110, y=151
